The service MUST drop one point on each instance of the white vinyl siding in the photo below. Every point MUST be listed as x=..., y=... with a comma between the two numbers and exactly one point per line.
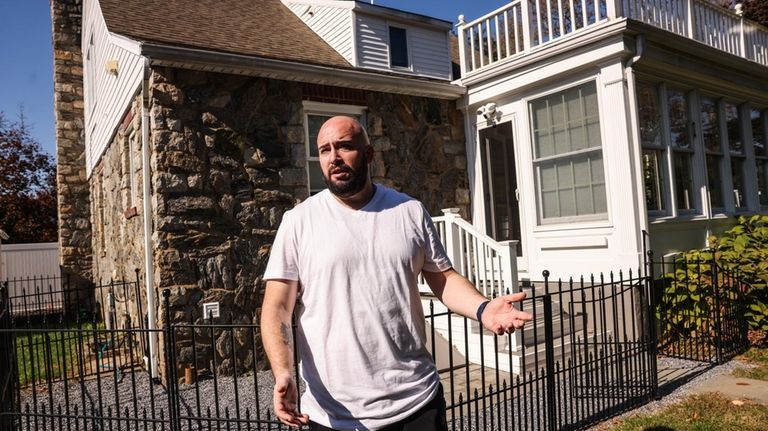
x=430, y=54
x=108, y=96
x=373, y=37
x=427, y=49
x=333, y=25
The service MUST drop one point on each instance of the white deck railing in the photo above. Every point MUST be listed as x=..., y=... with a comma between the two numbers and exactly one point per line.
x=525, y=25
x=490, y=265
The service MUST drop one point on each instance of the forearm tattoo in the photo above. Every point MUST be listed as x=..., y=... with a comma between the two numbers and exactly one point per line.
x=285, y=331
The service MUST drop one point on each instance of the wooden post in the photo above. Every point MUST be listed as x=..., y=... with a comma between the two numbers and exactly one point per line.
x=462, y=48
x=526, y=17
x=452, y=235
x=689, y=22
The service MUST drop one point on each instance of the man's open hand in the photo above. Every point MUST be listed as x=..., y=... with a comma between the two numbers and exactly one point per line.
x=285, y=398
x=501, y=316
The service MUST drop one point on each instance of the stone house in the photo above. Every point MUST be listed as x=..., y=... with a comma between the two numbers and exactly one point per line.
x=572, y=136
x=186, y=129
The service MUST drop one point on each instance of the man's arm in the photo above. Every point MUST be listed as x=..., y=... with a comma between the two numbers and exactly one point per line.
x=461, y=297
x=276, y=311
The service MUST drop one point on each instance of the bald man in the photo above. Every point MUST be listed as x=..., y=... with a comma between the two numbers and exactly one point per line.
x=351, y=255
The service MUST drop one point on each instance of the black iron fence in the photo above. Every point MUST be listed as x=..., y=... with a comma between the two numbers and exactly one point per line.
x=589, y=354
x=701, y=309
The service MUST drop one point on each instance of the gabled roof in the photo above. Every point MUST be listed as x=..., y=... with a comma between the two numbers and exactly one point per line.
x=259, y=28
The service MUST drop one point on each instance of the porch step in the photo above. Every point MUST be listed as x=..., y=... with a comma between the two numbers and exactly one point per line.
x=517, y=352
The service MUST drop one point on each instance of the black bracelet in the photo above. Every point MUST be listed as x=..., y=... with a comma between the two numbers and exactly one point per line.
x=480, y=310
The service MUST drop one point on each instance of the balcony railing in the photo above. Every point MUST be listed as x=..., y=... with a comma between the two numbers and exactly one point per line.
x=523, y=26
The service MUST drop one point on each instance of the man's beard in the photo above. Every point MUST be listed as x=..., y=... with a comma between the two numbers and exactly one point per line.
x=358, y=176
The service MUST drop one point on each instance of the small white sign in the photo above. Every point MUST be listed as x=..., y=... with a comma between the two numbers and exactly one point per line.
x=210, y=309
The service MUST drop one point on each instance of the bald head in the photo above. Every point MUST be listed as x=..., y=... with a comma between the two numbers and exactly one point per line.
x=342, y=125
x=345, y=152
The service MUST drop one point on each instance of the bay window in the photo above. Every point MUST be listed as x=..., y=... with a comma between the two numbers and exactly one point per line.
x=737, y=155
x=713, y=148
x=653, y=149
x=682, y=149
x=759, y=125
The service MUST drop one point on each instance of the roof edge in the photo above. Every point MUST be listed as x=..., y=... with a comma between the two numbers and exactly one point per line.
x=212, y=61
x=381, y=11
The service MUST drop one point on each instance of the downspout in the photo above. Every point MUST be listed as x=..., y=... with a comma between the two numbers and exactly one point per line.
x=633, y=119
x=149, y=273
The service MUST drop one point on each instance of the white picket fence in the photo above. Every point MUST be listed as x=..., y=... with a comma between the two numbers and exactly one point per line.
x=32, y=270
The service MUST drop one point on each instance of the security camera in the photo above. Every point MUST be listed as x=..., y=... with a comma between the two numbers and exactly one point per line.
x=490, y=111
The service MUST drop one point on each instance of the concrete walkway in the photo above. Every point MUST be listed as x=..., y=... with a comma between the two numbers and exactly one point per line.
x=735, y=388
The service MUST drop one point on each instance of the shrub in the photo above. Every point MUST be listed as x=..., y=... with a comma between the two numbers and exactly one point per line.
x=741, y=259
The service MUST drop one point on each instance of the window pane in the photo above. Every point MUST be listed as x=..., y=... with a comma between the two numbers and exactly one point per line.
x=683, y=180
x=398, y=47
x=544, y=145
x=653, y=179
x=548, y=178
x=314, y=122
x=715, y=181
x=316, y=180
x=710, y=125
x=759, y=132
x=598, y=194
x=678, y=119
x=650, y=115
x=737, y=173
x=550, y=207
x=733, y=128
x=762, y=181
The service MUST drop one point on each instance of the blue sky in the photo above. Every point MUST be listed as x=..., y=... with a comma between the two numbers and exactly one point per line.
x=26, y=70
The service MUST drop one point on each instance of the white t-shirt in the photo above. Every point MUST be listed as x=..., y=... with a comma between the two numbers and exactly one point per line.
x=361, y=330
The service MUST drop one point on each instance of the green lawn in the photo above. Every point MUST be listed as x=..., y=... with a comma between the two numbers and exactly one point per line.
x=710, y=412
x=757, y=356
x=41, y=353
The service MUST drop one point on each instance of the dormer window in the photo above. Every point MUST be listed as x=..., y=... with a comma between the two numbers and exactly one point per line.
x=398, y=47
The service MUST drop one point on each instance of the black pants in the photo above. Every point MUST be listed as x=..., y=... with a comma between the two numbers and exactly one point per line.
x=431, y=417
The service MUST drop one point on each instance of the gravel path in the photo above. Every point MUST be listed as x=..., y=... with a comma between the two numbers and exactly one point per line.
x=251, y=397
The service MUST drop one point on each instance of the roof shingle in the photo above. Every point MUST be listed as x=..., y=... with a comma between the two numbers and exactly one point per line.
x=260, y=28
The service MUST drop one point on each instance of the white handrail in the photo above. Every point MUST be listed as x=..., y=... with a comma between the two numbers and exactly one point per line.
x=490, y=265
x=521, y=26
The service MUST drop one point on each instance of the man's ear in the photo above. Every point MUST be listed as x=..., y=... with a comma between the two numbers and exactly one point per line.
x=369, y=153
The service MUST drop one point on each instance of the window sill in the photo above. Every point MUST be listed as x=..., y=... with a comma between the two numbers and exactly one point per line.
x=691, y=218
x=602, y=223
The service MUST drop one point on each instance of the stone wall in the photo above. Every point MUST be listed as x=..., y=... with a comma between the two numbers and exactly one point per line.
x=73, y=193
x=117, y=217
x=229, y=158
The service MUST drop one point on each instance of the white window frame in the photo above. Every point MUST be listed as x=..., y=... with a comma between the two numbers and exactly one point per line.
x=662, y=158
x=721, y=154
x=408, y=47
x=327, y=110
x=760, y=159
x=535, y=161
x=696, y=205
x=730, y=157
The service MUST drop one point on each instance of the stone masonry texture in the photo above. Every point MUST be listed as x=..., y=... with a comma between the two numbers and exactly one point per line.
x=73, y=189
x=228, y=158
